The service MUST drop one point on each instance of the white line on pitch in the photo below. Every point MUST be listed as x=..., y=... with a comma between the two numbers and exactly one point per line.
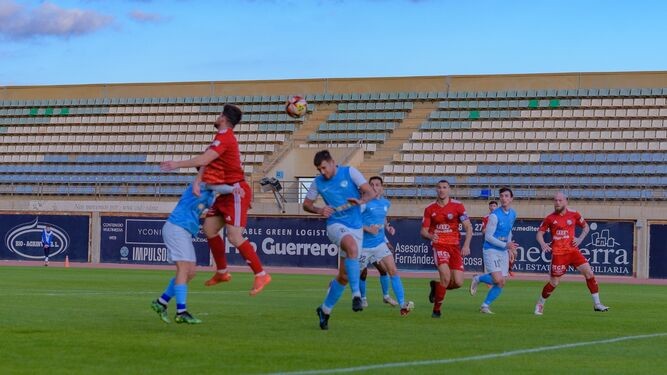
x=471, y=358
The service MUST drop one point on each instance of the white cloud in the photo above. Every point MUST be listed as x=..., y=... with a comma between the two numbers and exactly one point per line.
x=48, y=19
x=140, y=16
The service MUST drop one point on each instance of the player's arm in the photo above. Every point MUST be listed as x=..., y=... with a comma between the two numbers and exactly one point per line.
x=309, y=202
x=467, y=226
x=584, y=233
x=364, y=188
x=540, y=239
x=198, y=161
x=426, y=223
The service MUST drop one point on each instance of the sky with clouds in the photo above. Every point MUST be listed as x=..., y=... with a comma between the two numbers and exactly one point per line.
x=97, y=41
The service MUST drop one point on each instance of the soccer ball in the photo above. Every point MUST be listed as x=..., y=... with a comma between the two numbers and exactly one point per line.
x=296, y=107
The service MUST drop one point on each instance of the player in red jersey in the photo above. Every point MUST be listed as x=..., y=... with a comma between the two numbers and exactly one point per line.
x=492, y=206
x=565, y=250
x=440, y=225
x=222, y=162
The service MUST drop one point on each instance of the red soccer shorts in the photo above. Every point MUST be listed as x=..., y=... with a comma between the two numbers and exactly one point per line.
x=233, y=208
x=560, y=262
x=450, y=255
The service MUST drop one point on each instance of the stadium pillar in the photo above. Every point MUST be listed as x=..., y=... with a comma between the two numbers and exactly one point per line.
x=95, y=237
x=641, y=249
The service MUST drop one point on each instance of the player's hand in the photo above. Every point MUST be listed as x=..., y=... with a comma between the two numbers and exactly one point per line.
x=512, y=246
x=373, y=229
x=545, y=247
x=168, y=165
x=354, y=201
x=390, y=229
x=577, y=241
x=196, y=189
x=434, y=238
x=327, y=211
x=512, y=254
x=465, y=251
x=238, y=191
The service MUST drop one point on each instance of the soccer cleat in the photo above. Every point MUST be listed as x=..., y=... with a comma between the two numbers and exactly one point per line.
x=324, y=318
x=600, y=307
x=473, y=285
x=218, y=278
x=539, y=308
x=436, y=314
x=407, y=307
x=185, y=317
x=486, y=310
x=364, y=302
x=161, y=310
x=431, y=294
x=357, y=304
x=389, y=301
x=259, y=283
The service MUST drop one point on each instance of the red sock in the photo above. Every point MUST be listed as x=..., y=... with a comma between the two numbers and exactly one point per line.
x=440, y=292
x=248, y=253
x=592, y=285
x=217, y=245
x=546, y=291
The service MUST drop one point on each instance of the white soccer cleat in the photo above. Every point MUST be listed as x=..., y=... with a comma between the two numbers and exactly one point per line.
x=473, y=285
x=390, y=301
x=407, y=307
x=539, y=308
x=600, y=307
x=486, y=310
x=364, y=302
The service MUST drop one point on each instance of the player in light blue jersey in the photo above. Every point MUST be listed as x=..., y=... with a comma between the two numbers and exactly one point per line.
x=498, y=251
x=374, y=217
x=179, y=230
x=343, y=190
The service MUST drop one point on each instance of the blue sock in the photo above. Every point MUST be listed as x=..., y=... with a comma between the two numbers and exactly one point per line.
x=169, y=292
x=353, y=273
x=181, y=291
x=397, y=286
x=333, y=295
x=493, y=294
x=486, y=279
x=362, y=288
x=384, y=282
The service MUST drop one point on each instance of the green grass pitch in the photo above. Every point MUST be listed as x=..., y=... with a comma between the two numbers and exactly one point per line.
x=98, y=321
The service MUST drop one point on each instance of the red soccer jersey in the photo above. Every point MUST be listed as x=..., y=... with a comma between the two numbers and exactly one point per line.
x=444, y=221
x=226, y=169
x=562, y=228
x=485, y=220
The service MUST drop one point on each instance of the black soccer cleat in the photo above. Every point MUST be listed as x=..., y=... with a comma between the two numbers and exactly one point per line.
x=324, y=318
x=431, y=294
x=436, y=314
x=357, y=304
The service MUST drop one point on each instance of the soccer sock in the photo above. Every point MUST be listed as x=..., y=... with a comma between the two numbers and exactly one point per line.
x=181, y=291
x=248, y=253
x=168, y=293
x=336, y=290
x=486, y=279
x=384, y=283
x=217, y=246
x=353, y=273
x=440, y=292
x=547, y=290
x=592, y=285
x=397, y=286
x=362, y=287
x=492, y=295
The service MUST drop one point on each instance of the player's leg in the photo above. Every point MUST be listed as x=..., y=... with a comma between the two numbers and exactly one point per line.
x=185, y=271
x=592, y=284
x=445, y=276
x=47, y=252
x=558, y=268
x=236, y=238
x=350, y=244
x=388, y=263
x=213, y=224
x=362, y=285
x=486, y=278
x=384, y=284
x=498, y=262
x=335, y=291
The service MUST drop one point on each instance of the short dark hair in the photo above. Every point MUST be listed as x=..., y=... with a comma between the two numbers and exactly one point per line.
x=443, y=181
x=504, y=189
x=376, y=178
x=232, y=113
x=321, y=156
x=493, y=202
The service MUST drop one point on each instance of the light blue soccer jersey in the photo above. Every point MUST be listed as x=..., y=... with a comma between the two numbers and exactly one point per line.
x=189, y=208
x=375, y=213
x=335, y=192
x=503, y=228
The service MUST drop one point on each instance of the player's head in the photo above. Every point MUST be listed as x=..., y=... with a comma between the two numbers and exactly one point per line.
x=506, y=196
x=560, y=202
x=230, y=116
x=376, y=185
x=493, y=205
x=325, y=164
x=442, y=189
x=47, y=228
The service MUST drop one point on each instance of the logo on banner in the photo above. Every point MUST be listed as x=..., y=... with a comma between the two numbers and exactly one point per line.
x=124, y=252
x=26, y=239
x=605, y=254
